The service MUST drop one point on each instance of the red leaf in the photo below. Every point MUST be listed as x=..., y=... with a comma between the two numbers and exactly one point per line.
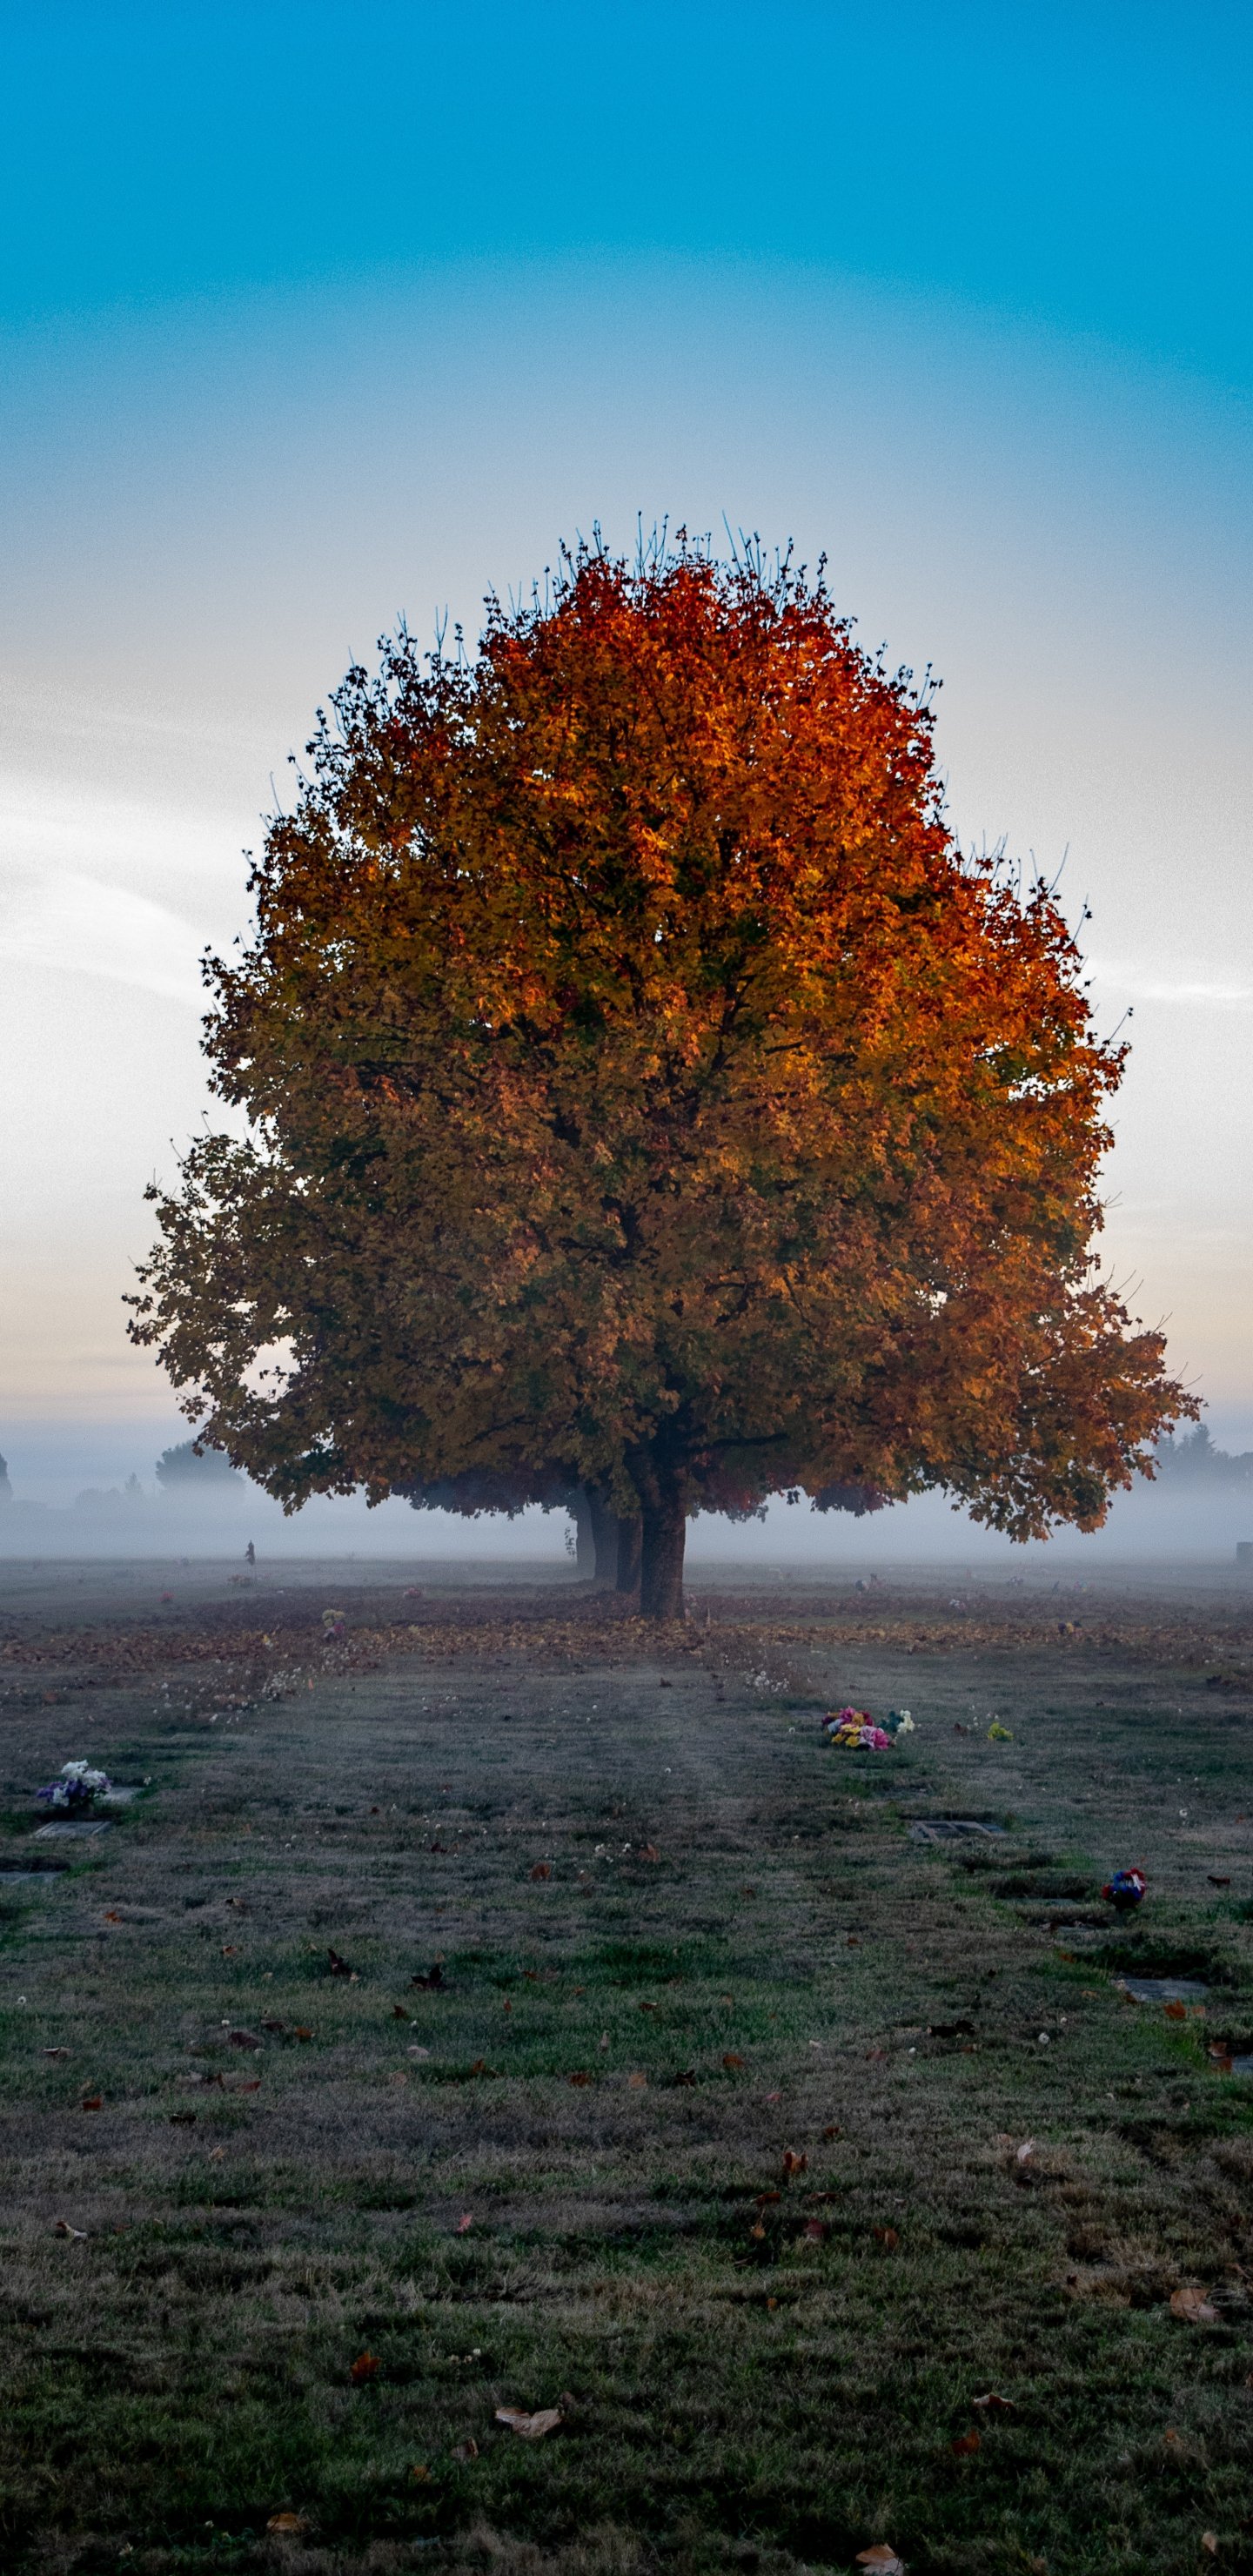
x=965, y=2444
x=364, y=2367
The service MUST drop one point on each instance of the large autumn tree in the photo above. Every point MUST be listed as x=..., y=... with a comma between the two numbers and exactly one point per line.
x=644, y=1090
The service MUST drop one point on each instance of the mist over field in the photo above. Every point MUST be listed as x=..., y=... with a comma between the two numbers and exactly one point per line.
x=91, y=1490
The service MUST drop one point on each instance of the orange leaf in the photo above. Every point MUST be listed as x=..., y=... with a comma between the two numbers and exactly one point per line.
x=293, y=2522
x=637, y=2082
x=1192, y=2305
x=965, y=2444
x=731, y=2060
x=793, y=2163
x=364, y=2367
x=1175, y=2012
x=580, y=2076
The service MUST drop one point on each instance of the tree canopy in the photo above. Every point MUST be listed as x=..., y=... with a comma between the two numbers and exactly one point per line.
x=643, y=1089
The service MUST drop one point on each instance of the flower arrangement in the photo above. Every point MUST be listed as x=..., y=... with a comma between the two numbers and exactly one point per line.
x=77, y=1786
x=853, y=1730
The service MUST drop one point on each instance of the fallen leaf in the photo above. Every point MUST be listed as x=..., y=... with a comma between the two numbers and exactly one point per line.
x=882, y=2558
x=887, y=2237
x=399, y=2013
x=62, y=2227
x=1024, y=2153
x=364, y=2367
x=542, y=1869
x=464, y=2224
x=758, y=2230
x=649, y=1851
x=216, y=2155
x=92, y=2102
x=243, y=2039
x=56, y=2052
x=1192, y=2305
x=834, y=2131
x=419, y=2052
x=1216, y=1882
x=467, y=2450
x=229, y=1950
x=1175, y=2012
x=113, y=1918
x=182, y=2119
x=854, y=1941
x=293, y=2522
x=688, y=2076
x=420, y=2474
x=531, y=2427
x=646, y=2006
x=303, y=2034
x=732, y=2061
x=579, y=2077
x=994, y=2404
x=433, y=1980
x=338, y=1967
x=637, y=2082
x=793, y=2163
x=766, y=2198
x=964, y=2445
x=1209, y=2543
x=815, y=2229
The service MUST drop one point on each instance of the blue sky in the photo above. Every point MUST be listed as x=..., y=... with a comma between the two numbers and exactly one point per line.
x=313, y=318
x=1087, y=168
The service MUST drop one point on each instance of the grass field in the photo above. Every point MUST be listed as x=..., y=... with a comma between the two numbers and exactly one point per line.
x=759, y=2137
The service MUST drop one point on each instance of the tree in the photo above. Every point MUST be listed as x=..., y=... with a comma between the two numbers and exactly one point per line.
x=189, y=1468
x=607, y=1542
x=640, y=1079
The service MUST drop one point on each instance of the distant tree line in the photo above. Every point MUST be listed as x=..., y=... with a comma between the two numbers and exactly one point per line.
x=1196, y=1460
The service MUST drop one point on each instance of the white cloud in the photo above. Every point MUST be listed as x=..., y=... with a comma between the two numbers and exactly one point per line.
x=1144, y=986
x=67, y=920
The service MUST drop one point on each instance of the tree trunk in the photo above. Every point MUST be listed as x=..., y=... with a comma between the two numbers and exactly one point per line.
x=585, y=1551
x=605, y=1526
x=661, y=1556
x=630, y=1536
